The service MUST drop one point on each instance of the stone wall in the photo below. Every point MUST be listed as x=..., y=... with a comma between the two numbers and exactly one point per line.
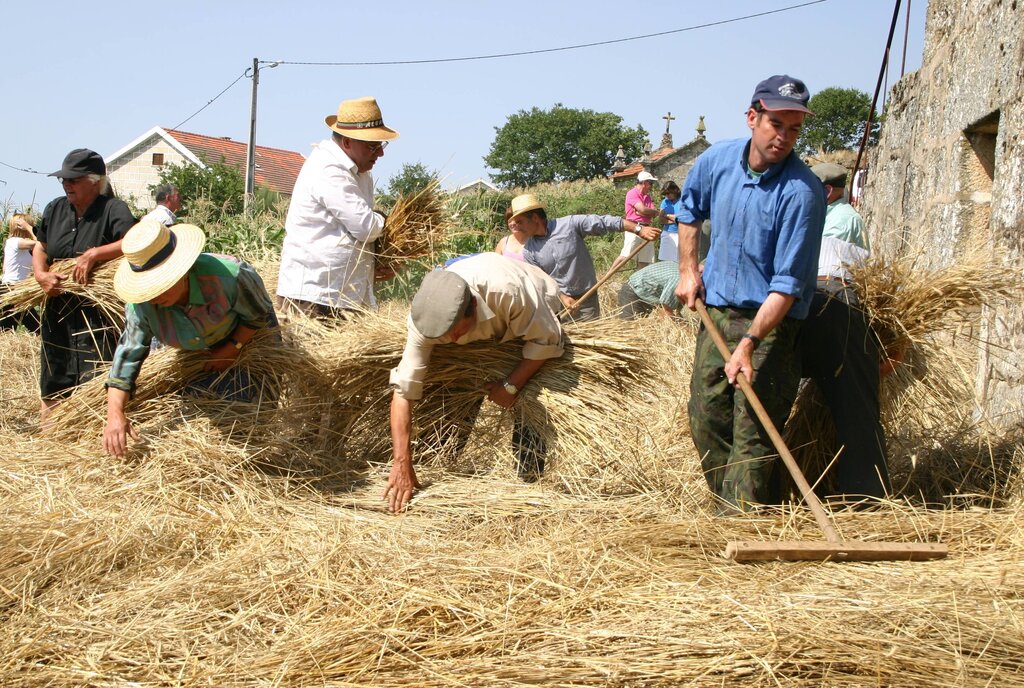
x=948, y=172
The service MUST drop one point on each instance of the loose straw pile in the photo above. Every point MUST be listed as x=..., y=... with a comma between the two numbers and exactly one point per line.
x=416, y=228
x=27, y=294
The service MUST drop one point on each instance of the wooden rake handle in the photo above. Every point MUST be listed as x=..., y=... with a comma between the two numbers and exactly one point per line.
x=780, y=445
x=587, y=294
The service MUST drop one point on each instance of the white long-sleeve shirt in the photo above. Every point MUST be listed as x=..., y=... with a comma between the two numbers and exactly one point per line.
x=330, y=231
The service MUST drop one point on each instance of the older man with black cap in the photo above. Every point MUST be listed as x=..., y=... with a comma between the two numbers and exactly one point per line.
x=327, y=260
x=758, y=282
x=483, y=297
x=86, y=224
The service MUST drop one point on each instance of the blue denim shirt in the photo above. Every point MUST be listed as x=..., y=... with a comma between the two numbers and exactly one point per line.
x=766, y=232
x=563, y=254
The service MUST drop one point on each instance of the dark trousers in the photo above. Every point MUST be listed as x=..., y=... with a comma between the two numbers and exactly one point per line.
x=588, y=310
x=78, y=340
x=527, y=444
x=632, y=306
x=9, y=320
x=840, y=353
x=737, y=455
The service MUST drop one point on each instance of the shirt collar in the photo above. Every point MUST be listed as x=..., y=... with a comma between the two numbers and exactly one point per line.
x=772, y=169
x=335, y=151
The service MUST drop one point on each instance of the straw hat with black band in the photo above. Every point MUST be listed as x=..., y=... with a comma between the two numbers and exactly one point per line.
x=360, y=119
x=155, y=258
x=524, y=203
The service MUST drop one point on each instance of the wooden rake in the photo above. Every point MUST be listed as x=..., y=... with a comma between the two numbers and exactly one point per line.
x=834, y=547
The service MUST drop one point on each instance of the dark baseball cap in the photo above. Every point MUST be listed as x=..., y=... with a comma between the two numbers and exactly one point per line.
x=79, y=163
x=440, y=303
x=782, y=92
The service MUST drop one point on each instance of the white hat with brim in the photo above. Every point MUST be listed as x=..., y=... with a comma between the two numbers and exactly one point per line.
x=646, y=177
x=155, y=258
x=360, y=119
x=524, y=204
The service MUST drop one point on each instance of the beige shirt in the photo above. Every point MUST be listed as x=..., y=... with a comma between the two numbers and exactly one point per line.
x=513, y=300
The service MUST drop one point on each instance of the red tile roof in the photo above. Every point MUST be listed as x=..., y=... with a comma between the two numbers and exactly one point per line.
x=276, y=169
x=636, y=168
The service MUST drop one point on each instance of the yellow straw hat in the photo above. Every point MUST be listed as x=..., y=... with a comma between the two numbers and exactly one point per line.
x=525, y=203
x=155, y=257
x=360, y=119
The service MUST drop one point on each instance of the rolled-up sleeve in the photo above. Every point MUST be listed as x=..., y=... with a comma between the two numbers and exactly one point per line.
x=407, y=378
x=132, y=350
x=694, y=204
x=801, y=219
x=252, y=302
x=340, y=195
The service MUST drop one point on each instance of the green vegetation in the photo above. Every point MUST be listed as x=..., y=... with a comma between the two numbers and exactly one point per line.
x=838, y=122
x=560, y=144
x=219, y=188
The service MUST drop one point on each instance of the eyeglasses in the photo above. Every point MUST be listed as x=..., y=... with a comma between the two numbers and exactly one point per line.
x=377, y=146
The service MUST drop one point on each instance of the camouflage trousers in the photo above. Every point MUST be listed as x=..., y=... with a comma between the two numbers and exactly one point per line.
x=737, y=456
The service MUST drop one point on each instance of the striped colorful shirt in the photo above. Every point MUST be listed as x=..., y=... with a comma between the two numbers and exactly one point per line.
x=223, y=293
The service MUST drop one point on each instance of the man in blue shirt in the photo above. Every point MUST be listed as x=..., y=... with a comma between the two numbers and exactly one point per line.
x=767, y=211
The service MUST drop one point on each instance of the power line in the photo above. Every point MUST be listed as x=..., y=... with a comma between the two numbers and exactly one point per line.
x=211, y=101
x=555, y=50
x=23, y=169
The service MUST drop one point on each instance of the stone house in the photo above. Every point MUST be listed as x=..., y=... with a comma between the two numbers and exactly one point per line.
x=136, y=166
x=948, y=171
x=667, y=163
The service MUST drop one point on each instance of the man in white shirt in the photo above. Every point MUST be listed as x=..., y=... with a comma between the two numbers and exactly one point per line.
x=327, y=261
x=168, y=202
x=483, y=297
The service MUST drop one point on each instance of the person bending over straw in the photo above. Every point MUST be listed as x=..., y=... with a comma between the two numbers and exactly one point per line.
x=186, y=299
x=481, y=297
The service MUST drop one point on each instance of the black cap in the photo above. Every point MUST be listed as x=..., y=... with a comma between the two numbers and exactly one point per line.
x=79, y=163
x=782, y=92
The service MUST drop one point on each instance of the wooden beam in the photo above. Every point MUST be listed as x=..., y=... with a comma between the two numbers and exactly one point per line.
x=751, y=550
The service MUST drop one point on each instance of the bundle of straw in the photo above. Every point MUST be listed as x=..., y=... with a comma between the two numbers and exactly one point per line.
x=416, y=228
x=578, y=402
x=26, y=294
x=168, y=372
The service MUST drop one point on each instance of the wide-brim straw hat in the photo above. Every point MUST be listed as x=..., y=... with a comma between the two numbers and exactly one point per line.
x=360, y=119
x=155, y=258
x=524, y=204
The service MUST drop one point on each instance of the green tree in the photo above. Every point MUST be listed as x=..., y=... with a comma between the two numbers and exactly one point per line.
x=218, y=184
x=411, y=178
x=559, y=144
x=838, y=121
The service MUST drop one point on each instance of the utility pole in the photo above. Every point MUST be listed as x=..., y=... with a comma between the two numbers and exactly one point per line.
x=250, y=157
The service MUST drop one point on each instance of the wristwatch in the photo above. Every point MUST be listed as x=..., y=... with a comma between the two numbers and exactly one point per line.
x=756, y=341
x=509, y=387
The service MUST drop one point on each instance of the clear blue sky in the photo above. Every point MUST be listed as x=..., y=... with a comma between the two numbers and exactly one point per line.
x=98, y=75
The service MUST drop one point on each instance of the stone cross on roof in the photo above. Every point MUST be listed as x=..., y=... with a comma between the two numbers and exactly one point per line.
x=666, y=138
